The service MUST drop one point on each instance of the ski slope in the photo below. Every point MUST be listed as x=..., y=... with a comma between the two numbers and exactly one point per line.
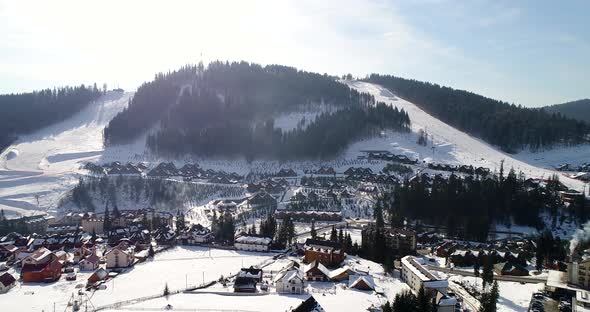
x=45, y=163
x=451, y=146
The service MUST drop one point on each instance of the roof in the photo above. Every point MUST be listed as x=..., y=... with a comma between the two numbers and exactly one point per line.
x=40, y=254
x=354, y=280
x=253, y=240
x=322, y=243
x=309, y=305
x=288, y=275
x=7, y=279
x=416, y=265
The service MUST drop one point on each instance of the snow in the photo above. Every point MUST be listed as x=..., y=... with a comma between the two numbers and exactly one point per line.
x=44, y=163
x=514, y=297
x=452, y=146
x=176, y=267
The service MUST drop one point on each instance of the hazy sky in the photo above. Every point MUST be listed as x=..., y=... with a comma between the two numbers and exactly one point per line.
x=528, y=52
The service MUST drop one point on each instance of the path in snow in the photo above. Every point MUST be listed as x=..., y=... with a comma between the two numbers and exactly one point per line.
x=451, y=145
x=45, y=163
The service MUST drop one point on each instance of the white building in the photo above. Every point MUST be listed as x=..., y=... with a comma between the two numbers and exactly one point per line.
x=289, y=282
x=252, y=243
x=89, y=263
x=120, y=256
x=416, y=275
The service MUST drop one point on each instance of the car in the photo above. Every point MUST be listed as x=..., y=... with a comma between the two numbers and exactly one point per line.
x=71, y=276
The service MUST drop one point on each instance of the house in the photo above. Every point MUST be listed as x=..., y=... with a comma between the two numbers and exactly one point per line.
x=7, y=252
x=98, y=275
x=445, y=302
x=39, y=256
x=196, y=234
x=245, y=283
x=120, y=256
x=93, y=225
x=326, y=252
x=510, y=268
x=41, y=272
x=90, y=263
x=361, y=282
x=251, y=272
x=7, y=281
x=81, y=253
x=309, y=305
x=314, y=273
x=252, y=243
x=289, y=282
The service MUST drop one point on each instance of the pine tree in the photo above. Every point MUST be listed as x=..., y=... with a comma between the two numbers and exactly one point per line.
x=107, y=219
x=313, y=231
x=151, y=251
x=166, y=291
x=423, y=301
x=180, y=223
x=341, y=236
x=2, y=216
x=386, y=307
x=334, y=235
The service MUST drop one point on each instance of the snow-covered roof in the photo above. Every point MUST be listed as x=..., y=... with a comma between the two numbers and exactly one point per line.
x=354, y=280
x=416, y=265
x=288, y=275
x=253, y=240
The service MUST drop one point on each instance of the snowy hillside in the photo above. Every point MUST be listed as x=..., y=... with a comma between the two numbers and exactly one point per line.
x=453, y=146
x=44, y=163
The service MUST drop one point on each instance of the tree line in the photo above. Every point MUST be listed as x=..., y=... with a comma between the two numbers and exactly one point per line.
x=508, y=126
x=228, y=109
x=23, y=113
x=469, y=206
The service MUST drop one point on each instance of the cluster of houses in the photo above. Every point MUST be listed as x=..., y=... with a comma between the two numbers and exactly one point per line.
x=585, y=167
x=467, y=169
x=271, y=186
x=164, y=170
x=322, y=171
x=389, y=156
x=509, y=259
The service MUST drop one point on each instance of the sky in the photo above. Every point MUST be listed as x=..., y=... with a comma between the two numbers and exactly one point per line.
x=532, y=53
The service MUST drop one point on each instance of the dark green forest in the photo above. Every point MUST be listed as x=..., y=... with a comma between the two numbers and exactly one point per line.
x=23, y=113
x=508, y=126
x=579, y=110
x=226, y=109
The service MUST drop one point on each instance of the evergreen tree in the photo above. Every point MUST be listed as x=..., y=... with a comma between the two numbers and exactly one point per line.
x=313, y=231
x=107, y=219
x=180, y=223
x=151, y=251
x=423, y=301
x=334, y=235
x=166, y=291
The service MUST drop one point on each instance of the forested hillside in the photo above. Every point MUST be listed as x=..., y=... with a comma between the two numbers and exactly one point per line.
x=505, y=125
x=227, y=109
x=579, y=110
x=27, y=112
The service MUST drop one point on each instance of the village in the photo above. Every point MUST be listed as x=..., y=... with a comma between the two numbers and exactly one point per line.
x=302, y=239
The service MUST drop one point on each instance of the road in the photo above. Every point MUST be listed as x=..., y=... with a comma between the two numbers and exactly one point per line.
x=507, y=278
x=468, y=299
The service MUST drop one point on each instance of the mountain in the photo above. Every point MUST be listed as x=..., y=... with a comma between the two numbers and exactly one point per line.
x=229, y=109
x=24, y=113
x=579, y=110
x=512, y=128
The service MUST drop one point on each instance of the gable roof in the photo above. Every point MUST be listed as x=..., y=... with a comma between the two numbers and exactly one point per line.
x=357, y=280
x=309, y=305
x=7, y=279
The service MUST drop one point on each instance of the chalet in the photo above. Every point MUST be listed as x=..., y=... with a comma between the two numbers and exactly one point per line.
x=41, y=272
x=7, y=252
x=39, y=256
x=361, y=282
x=196, y=234
x=313, y=272
x=81, y=253
x=309, y=305
x=7, y=281
x=325, y=252
x=98, y=275
x=226, y=205
x=247, y=279
x=290, y=282
x=252, y=243
x=120, y=256
x=299, y=197
x=90, y=263
x=510, y=268
x=286, y=173
x=165, y=235
x=262, y=199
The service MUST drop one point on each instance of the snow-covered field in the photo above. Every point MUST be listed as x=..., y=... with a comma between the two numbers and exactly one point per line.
x=514, y=297
x=177, y=268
